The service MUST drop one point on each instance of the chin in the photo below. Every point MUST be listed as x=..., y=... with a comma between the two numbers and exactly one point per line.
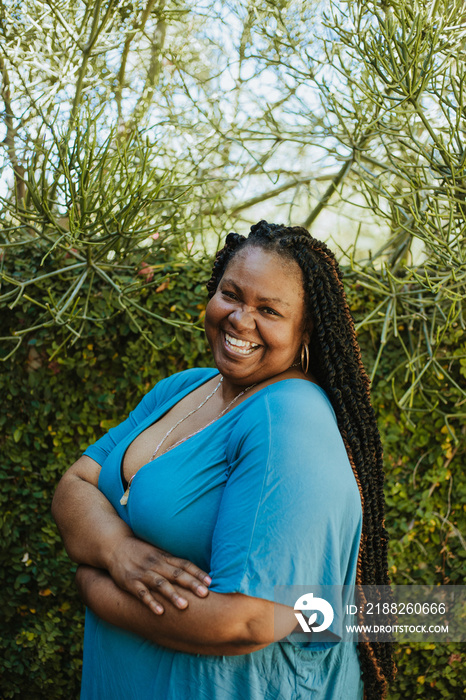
x=237, y=372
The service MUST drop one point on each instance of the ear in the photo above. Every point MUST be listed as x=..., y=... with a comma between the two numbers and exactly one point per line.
x=307, y=333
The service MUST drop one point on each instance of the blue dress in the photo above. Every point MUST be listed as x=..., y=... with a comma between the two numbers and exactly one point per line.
x=263, y=497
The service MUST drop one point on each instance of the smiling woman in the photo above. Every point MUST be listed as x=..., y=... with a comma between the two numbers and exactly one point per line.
x=224, y=483
x=255, y=321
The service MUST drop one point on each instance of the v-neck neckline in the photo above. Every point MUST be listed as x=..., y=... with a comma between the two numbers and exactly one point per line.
x=176, y=398
x=155, y=416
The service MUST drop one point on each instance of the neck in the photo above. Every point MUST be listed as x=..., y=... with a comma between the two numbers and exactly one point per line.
x=229, y=391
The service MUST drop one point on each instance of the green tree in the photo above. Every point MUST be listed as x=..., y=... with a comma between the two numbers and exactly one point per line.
x=193, y=117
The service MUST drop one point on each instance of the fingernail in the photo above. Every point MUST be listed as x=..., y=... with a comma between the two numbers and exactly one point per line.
x=202, y=590
x=158, y=609
x=181, y=602
x=207, y=580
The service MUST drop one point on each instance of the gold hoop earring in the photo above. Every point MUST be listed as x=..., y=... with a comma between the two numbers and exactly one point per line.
x=305, y=358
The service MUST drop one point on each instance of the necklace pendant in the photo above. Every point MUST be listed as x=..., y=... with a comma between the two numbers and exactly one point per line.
x=124, y=498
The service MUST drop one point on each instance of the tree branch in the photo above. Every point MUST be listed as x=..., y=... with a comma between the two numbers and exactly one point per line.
x=95, y=31
x=139, y=26
x=9, y=139
x=153, y=72
x=338, y=178
x=269, y=194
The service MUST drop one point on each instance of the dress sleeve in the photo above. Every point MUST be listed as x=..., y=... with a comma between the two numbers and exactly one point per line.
x=290, y=513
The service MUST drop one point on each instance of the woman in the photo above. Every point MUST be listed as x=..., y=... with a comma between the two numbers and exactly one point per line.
x=266, y=471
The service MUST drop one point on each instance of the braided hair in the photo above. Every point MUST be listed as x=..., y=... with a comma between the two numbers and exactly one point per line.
x=335, y=360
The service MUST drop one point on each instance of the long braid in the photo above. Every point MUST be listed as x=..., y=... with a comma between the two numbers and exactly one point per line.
x=335, y=359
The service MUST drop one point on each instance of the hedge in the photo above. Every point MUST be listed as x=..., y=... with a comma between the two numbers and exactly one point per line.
x=58, y=399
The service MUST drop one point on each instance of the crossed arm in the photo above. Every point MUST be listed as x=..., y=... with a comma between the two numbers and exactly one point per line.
x=133, y=585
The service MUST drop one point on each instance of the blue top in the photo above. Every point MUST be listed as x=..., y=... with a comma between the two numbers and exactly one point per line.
x=263, y=497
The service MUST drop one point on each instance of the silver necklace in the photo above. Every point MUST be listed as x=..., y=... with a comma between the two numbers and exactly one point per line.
x=124, y=498
x=203, y=402
x=194, y=411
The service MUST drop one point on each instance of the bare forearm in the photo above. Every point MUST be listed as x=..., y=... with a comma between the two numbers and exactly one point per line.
x=88, y=523
x=221, y=624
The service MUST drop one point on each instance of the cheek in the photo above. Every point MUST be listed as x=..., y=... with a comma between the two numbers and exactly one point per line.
x=213, y=314
x=208, y=314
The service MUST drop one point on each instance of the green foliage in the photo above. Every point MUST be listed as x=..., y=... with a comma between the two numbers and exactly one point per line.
x=395, y=97
x=103, y=209
x=429, y=672
x=425, y=490
x=58, y=398
x=423, y=449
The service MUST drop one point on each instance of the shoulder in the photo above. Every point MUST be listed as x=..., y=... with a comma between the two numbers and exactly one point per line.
x=289, y=435
x=291, y=402
x=292, y=411
x=297, y=395
x=289, y=432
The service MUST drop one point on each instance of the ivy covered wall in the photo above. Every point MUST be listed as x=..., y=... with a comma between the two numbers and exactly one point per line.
x=57, y=399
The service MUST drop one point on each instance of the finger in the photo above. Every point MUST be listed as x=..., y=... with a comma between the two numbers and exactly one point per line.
x=182, y=578
x=146, y=597
x=190, y=568
x=158, y=583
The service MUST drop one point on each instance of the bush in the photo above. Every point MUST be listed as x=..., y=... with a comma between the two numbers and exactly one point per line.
x=57, y=399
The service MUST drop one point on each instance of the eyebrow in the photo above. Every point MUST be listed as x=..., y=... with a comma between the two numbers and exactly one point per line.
x=264, y=300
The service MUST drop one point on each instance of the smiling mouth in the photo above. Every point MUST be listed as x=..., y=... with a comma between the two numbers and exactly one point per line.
x=244, y=347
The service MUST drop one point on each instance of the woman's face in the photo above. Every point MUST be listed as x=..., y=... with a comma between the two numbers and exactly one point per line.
x=255, y=321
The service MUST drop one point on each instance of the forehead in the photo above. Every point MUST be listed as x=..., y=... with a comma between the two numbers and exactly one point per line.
x=271, y=274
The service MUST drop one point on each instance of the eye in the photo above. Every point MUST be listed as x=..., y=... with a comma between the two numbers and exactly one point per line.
x=270, y=312
x=230, y=295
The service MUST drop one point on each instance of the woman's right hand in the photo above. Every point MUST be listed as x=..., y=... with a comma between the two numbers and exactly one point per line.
x=142, y=570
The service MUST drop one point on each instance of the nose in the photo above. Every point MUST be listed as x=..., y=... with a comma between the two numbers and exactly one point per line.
x=242, y=318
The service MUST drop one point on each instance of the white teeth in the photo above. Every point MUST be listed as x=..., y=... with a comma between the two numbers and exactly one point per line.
x=242, y=346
